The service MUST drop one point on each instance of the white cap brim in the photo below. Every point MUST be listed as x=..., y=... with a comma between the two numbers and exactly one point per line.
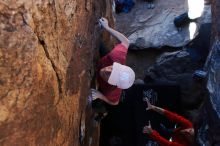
x=116, y=68
x=121, y=76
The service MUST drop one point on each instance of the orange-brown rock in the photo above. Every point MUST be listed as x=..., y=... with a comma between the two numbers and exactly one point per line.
x=47, y=60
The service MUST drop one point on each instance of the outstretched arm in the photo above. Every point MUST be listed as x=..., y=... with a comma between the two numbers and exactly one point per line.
x=156, y=137
x=123, y=39
x=170, y=115
x=162, y=141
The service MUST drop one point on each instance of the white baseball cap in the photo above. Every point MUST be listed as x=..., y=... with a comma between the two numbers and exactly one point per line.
x=121, y=76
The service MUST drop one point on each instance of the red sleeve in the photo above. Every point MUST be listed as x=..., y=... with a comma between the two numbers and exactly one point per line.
x=184, y=123
x=114, y=95
x=162, y=141
x=118, y=54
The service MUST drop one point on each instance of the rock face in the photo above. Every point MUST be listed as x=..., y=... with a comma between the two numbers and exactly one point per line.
x=46, y=65
x=154, y=28
x=210, y=120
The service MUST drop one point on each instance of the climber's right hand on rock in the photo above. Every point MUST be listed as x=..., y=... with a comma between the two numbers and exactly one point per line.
x=96, y=94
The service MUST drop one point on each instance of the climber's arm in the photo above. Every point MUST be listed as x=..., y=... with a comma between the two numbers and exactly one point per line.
x=123, y=39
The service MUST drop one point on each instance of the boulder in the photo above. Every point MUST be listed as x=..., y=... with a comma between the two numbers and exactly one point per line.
x=154, y=28
x=209, y=120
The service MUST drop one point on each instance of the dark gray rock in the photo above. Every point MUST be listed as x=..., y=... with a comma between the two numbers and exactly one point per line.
x=178, y=67
x=209, y=122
